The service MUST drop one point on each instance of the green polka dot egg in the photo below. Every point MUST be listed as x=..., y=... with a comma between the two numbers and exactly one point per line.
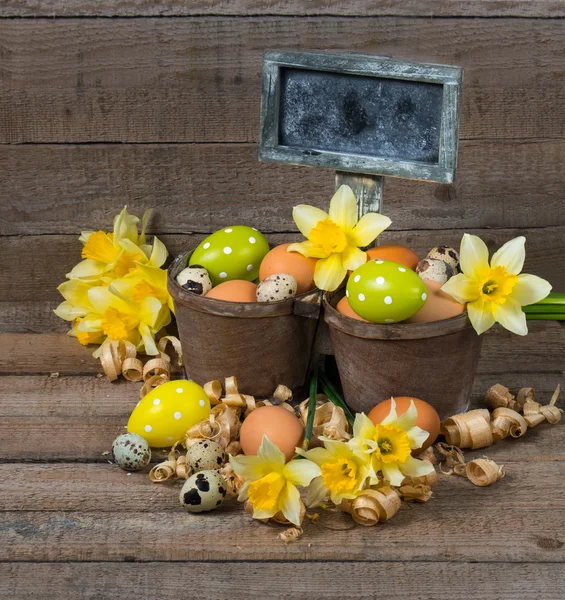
x=231, y=253
x=165, y=414
x=383, y=291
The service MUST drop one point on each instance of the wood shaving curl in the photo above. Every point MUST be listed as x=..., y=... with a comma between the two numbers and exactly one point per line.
x=329, y=421
x=468, y=430
x=291, y=534
x=373, y=506
x=418, y=489
x=505, y=422
x=174, y=467
x=480, y=471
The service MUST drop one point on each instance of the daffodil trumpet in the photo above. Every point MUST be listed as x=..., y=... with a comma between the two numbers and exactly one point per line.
x=336, y=237
x=271, y=484
x=495, y=291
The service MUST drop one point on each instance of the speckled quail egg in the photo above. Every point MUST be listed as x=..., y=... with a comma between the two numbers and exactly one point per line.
x=195, y=279
x=205, y=455
x=446, y=253
x=203, y=491
x=276, y=287
x=432, y=269
x=131, y=452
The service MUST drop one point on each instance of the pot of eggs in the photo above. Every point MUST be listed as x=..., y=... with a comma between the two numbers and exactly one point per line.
x=245, y=307
x=395, y=332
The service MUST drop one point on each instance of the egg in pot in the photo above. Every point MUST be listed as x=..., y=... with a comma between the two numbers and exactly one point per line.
x=428, y=418
x=281, y=426
x=279, y=260
x=344, y=308
x=438, y=305
x=395, y=253
x=234, y=291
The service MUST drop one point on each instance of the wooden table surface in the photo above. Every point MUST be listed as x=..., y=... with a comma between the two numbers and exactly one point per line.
x=73, y=525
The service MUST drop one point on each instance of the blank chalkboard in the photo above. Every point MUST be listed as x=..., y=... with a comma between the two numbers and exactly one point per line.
x=361, y=113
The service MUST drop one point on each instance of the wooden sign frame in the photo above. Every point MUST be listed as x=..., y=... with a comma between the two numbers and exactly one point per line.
x=450, y=77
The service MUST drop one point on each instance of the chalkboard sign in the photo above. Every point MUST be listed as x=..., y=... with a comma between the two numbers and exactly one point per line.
x=361, y=114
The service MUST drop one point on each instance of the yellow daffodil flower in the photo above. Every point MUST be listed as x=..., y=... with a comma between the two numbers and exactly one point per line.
x=336, y=238
x=497, y=291
x=121, y=318
x=343, y=472
x=114, y=254
x=271, y=483
x=390, y=443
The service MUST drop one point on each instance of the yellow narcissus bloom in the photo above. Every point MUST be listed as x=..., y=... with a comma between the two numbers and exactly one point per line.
x=390, y=444
x=271, y=483
x=115, y=254
x=495, y=292
x=121, y=318
x=343, y=473
x=336, y=238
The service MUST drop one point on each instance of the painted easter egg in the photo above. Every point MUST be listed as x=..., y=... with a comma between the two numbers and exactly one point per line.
x=165, y=414
x=383, y=291
x=231, y=253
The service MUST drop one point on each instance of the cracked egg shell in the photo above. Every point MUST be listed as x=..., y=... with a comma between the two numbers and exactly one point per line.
x=205, y=455
x=131, y=452
x=203, y=491
x=276, y=287
x=231, y=253
x=165, y=414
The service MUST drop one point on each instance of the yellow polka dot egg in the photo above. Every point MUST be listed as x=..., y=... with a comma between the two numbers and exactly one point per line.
x=167, y=412
x=383, y=291
x=231, y=253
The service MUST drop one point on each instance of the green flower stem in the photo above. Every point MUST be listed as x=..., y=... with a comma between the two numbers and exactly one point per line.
x=332, y=394
x=545, y=316
x=544, y=308
x=311, y=401
x=551, y=299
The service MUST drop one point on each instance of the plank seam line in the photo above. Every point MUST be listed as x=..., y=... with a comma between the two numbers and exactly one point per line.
x=278, y=16
x=267, y=231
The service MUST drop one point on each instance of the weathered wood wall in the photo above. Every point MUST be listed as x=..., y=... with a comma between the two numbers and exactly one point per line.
x=113, y=102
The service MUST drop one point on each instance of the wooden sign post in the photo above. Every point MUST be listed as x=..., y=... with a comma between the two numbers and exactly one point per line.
x=364, y=116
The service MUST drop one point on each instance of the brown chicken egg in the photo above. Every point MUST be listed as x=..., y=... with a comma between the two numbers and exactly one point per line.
x=280, y=425
x=278, y=260
x=438, y=305
x=395, y=253
x=428, y=419
x=237, y=290
x=344, y=308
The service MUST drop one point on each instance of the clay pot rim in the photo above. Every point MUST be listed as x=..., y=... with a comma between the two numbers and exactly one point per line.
x=223, y=308
x=395, y=331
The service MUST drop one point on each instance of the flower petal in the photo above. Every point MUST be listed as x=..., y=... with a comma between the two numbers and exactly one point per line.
x=370, y=226
x=408, y=419
x=306, y=217
x=290, y=504
x=243, y=492
x=416, y=468
x=148, y=338
x=317, y=455
x=392, y=474
x=511, y=256
x=417, y=436
x=392, y=414
x=101, y=298
x=363, y=427
x=511, y=316
x=69, y=312
x=462, y=288
x=301, y=472
x=87, y=269
x=259, y=513
x=270, y=453
x=353, y=257
x=530, y=289
x=125, y=226
x=158, y=253
x=317, y=492
x=480, y=316
x=249, y=467
x=329, y=273
x=149, y=311
x=343, y=207
x=308, y=249
x=473, y=256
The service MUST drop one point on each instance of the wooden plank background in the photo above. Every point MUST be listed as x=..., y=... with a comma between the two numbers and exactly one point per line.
x=156, y=104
